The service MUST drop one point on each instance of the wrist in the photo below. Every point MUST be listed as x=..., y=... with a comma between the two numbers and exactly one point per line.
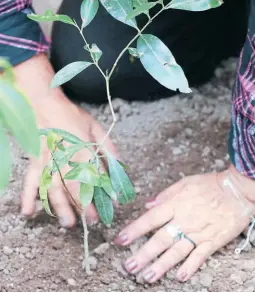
x=243, y=185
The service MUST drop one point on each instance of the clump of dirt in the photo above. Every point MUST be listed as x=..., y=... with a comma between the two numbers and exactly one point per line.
x=161, y=142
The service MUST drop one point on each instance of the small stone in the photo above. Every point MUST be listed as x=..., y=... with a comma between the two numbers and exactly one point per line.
x=137, y=189
x=131, y=287
x=219, y=164
x=24, y=250
x=214, y=263
x=62, y=230
x=7, y=250
x=102, y=248
x=93, y=262
x=58, y=244
x=249, y=289
x=6, y=272
x=71, y=282
x=206, y=151
x=250, y=283
x=189, y=131
x=38, y=231
x=206, y=279
x=236, y=278
x=176, y=151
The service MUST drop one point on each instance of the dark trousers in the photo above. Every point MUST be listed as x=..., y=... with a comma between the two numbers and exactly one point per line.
x=198, y=40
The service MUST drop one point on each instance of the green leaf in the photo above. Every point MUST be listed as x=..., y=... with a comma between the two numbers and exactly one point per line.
x=50, y=16
x=86, y=194
x=18, y=116
x=45, y=184
x=141, y=9
x=88, y=11
x=104, y=205
x=52, y=140
x=5, y=153
x=120, y=181
x=160, y=63
x=85, y=173
x=73, y=164
x=61, y=158
x=119, y=9
x=194, y=5
x=106, y=184
x=61, y=147
x=133, y=52
x=96, y=52
x=6, y=67
x=68, y=72
x=64, y=134
x=138, y=3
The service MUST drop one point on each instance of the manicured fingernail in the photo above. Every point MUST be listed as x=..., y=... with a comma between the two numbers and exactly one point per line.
x=131, y=265
x=152, y=203
x=64, y=221
x=148, y=276
x=121, y=239
x=182, y=276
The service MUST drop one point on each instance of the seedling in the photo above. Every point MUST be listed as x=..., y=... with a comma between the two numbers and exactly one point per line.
x=95, y=184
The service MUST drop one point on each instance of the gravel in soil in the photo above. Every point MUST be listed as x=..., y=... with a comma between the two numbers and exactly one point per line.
x=161, y=142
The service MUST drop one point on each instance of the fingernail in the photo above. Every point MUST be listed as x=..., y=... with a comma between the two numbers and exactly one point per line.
x=152, y=203
x=64, y=222
x=182, y=276
x=131, y=265
x=121, y=239
x=148, y=276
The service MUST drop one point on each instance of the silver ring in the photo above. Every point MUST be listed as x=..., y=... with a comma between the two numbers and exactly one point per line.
x=174, y=231
x=190, y=240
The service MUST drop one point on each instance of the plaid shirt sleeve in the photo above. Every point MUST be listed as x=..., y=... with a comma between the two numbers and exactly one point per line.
x=242, y=134
x=20, y=37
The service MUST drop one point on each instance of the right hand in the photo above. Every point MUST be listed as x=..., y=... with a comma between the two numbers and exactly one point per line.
x=69, y=117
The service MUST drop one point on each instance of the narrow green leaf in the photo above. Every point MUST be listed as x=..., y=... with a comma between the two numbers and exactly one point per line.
x=6, y=69
x=133, y=52
x=86, y=194
x=88, y=11
x=61, y=158
x=96, y=52
x=194, y=5
x=68, y=72
x=68, y=137
x=119, y=9
x=52, y=140
x=104, y=205
x=141, y=9
x=50, y=16
x=120, y=181
x=160, y=63
x=5, y=153
x=85, y=173
x=106, y=184
x=73, y=164
x=18, y=116
x=61, y=147
x=45, y=184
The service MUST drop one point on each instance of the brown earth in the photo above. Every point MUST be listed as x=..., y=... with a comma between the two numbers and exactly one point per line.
x=160, y=142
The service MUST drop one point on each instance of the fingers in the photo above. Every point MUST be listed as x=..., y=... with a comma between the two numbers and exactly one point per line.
x=62, y=207
x=151, y=220
x=168, y=260
x=30, y=191
x=195, y=260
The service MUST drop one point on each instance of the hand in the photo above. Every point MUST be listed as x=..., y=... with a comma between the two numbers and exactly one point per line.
x=53, y=109
x=205, y=210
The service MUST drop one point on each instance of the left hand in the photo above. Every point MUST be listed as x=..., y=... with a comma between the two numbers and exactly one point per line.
x=206, y=211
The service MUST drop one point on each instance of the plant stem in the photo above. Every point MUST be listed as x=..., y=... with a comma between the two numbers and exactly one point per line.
x=85, y=264
x=108, y=76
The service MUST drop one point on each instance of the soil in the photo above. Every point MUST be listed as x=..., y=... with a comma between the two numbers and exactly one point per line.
x=161, y=142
